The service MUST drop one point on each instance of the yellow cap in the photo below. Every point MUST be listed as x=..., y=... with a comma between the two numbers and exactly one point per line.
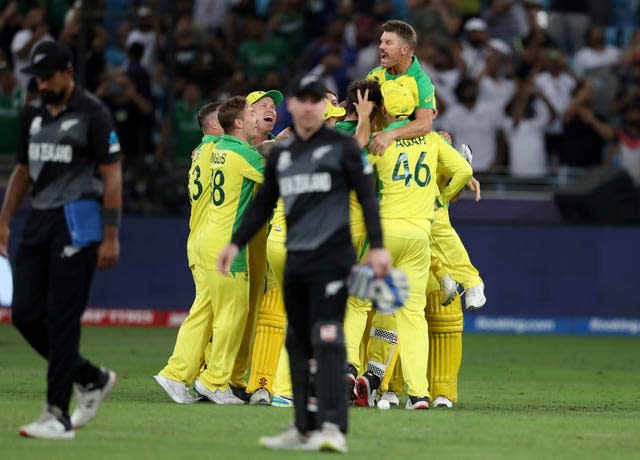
x=274, y=94
x=332, y=111
x=398, y=100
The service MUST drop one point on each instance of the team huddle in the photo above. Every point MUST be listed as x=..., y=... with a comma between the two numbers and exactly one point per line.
x=238, y=322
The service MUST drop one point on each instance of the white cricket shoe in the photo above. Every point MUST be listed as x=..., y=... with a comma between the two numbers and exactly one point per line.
x=448, y=289
x=177, y=391
x=218, y=396
x=51, y=425
x=328, y=439
x=441, y=401
x=417, y=403
x=392, y=397
x=281, y=401
x=90, y=397
x=474, y=297
x=260, y=396
x=290, y=439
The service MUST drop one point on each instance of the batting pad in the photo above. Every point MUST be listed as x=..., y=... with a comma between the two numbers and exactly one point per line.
x=382, y=349
x=445, y=346
x=268, y=342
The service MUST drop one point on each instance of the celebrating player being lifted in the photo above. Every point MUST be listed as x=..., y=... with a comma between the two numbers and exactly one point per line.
x=405, y=175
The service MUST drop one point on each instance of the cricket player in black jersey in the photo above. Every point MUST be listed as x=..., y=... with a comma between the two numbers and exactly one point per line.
x=313, y=171
x=69, y=152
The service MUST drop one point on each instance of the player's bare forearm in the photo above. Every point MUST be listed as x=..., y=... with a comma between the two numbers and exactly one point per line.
x=264, y=148
x=109, y=249
x=17, y=189
x=422, y=125
x=111, y=175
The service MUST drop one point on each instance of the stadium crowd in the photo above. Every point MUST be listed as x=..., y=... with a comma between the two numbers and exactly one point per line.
x=537, y=87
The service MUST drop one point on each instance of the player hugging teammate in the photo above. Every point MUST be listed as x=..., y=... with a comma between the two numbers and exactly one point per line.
x=239, y=320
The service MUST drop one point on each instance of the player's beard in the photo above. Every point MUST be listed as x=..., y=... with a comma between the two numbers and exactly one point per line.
x=52, y=97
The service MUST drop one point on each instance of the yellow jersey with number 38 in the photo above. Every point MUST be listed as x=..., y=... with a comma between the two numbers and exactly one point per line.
x=199, y=189
x=406, y=176
x=236, y=168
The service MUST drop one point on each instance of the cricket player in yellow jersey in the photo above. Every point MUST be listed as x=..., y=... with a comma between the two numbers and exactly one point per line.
x=194, y=333
x=363, y=100
x=446, y=322
x=405, y=175
x=236, y=168
x=397, y=62
x=269, y=324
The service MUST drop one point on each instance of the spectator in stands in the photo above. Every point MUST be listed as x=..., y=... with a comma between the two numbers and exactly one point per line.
x=527, y=116
x=237, y=21
x=442, y=61
x=216, y=62
x=442, y=18
x=116, y=53
x=533, y=45
x=146, y=33
x=187, y=49
x=34, y=31
x=506, y=20
x=9, y=25
x=596, y=53
x=474, y=124
x=130, y=110
x=260, y=52
x=10, y=108
x=582, y=144
x=568, y=23
x=601, y=62
x=475, y=48
x=289, y=21
x=210, y=15
x=184, y=121
x=557, y=85
x=366, y=32
x=496, y=83
x=626, y=149
x=96, y=43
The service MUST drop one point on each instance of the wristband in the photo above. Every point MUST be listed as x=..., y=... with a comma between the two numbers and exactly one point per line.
x=111, y=217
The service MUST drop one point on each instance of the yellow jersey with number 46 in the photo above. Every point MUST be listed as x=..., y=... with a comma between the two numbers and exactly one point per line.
x=406, y=176
x=236, y=169
x=199, y=189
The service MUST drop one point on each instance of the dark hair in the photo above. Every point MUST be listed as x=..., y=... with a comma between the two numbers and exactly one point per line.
x=135, y=51
x=375, y=95
x=230, y=111
x=403, y=30
x=462, y=86
x=205, y=111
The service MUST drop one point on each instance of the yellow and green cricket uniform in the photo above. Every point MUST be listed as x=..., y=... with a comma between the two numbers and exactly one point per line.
x=236, y=168
x=355, y=319
x=195, y=332
x=414, y=79
x=407, y=188
x=445, y=342
x=449, y=249
x=269, y=350
x=446, y=323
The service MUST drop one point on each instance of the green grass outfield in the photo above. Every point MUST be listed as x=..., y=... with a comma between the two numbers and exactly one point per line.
x=521, y=397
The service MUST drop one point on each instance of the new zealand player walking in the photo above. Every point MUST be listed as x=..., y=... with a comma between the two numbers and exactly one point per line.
x=313, y=171
x=69, y=152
